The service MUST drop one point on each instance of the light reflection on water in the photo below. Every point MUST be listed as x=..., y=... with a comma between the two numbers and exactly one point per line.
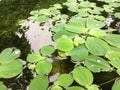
x=38, y=37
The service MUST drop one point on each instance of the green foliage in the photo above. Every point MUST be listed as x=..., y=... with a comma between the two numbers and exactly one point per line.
x=10, y=66
x=82, y=76
x=96, y=64
x=40, y=82
x=75, y=88
x=116, y=85
x=64, y=80
x=2, y=86
x=47, y=50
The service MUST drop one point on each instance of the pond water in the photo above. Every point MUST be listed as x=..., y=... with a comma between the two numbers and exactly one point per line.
x=16, y=31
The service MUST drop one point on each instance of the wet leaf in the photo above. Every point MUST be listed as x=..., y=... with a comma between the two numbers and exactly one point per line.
x=43, y=67
x=97, y=46
x=82, y=76
x=9, y=54
x=42, y=18
x=40, y=82
x=96, y=64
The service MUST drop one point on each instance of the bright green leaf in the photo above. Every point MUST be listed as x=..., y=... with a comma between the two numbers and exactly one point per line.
x=96, y=64
x=43, y=67
x=79, y=53
x=47, y=50
x=64, y=80
x=56, y=88
x=2, y=86
x=75, y=88
x=42, y=18
x=116, y=85
x=35, y=57
x=82, y=76
x=64, y=44
x=93, y=87
x=97, y=46
x=40, y=82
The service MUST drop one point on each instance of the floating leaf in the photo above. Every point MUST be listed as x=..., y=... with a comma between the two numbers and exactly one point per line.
x=93, y=87
x=97, y=46
x=2, y=86
x=113, y=39
x=33, y=18
x=47, y=50
x=65, y=44
x=116, y=85
x=96, y=64
x=75, y=88
x=35, y=12
x=114, y=58
x=78, y=53
x=40, y=82
x=61, y=33
x=64, y=80
x=42, y=18
x=115, y=49
x=94, y=24
x=10, y=69
x=97, y=33
x=57, y=6
x=79, y=40
x=35, y=57
x=44, y=12
x=9, y=54
x=56, y=88
x=43, y=67
x=82, y=76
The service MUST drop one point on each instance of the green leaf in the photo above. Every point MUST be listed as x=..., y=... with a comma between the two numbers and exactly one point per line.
x=2, y=86
x=40, y=82
x=35, y=57
x=114, y=58
x=78, y=53
x=93, y=87
x=94, y=24
x=64, y=44
x=97, y=33
x=57, y=6
x=10, y=69
x=116, y=85
x=113, y=39
x=75, y=28
x=47, y=50
x=43, y=67
x=9, y=54
x=61, y=33
x=97, y=46
x=64, y=80
x=42, y=18
x=35, y=12
x=115, y=49
x=56, y=88
x=82, y=76
x=33, y=18
x=75, y=88
x=79, y=40
x=96, y=64
x=44, y=12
